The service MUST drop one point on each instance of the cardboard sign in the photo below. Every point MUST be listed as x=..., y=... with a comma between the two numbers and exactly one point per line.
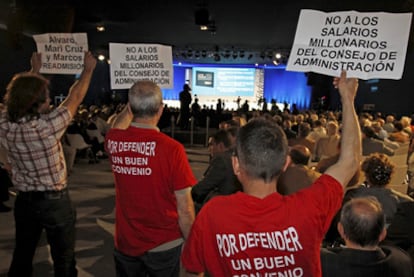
x=62, y=53
x=366, y=45
x=133, y=62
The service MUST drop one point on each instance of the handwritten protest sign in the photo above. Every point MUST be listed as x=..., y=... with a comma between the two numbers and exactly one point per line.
x=133, y=62
x=366, y=45
x=62, y=53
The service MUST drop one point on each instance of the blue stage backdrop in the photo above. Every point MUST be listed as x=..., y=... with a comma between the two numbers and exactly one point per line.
x=279, y=84
x=287, y=86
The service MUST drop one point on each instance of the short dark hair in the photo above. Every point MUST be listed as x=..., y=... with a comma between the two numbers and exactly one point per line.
x=262, y=148
x=398, y=126
x=363, y=220
x=222, y=135
x=369, y=132
x=304, y=129
x=378, y=169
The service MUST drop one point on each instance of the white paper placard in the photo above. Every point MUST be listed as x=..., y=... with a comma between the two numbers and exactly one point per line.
x=62, y=53
x=133, y=62
x=366, y=45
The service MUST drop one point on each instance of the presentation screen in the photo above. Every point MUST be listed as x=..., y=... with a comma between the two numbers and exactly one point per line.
x=223, y=81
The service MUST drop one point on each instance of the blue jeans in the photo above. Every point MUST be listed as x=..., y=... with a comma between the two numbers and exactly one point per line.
x=154, y=264
x=54, y=212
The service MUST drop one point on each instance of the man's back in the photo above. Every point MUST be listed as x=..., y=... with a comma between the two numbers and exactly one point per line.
x=259, y=234
x=385, y=261
x=219, y=179
x=145, y=162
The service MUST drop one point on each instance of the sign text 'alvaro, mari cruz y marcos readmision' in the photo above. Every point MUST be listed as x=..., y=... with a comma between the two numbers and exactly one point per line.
x=366, y=45
x=133, y=62
x=62, y=53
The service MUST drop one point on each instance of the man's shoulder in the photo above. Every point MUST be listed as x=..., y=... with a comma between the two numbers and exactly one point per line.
x=385, y=254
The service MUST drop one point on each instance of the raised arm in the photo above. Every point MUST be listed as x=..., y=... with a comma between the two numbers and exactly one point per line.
x=78, y=90
x=123, y=118
x=350, y=154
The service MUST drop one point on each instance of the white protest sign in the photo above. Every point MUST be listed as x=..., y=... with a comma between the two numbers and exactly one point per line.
x=366, y=45
x=133, y=62
x=62, y=53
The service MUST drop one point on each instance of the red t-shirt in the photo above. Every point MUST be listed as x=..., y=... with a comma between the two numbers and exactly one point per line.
x=148, y=166
x=241, y=235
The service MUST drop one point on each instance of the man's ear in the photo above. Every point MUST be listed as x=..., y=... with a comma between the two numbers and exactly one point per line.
x=287, y=163
x=341, y=231
x=160, y=110
x=382, y=235
x=236, y=165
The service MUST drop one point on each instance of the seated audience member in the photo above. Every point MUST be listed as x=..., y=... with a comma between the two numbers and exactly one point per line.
x=325, y=163
x=327, y=146
x=95, y=136
x=401, y=231
x=237, y=228
x=297, y=119
x=362, y=227
x=297, y=175
x=302, y=138
x=318, y=131
x=378, y=127
x=383, y=135
x=399, y=135
x=219, y=178
x=389, y=123
x=406, y=124
x=372, y=144
x=287, y=128
x=378, y=170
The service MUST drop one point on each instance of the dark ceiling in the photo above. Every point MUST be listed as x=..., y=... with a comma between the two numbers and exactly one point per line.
x=240, y=31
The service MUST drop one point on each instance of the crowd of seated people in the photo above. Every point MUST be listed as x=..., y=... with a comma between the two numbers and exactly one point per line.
x=85, y=135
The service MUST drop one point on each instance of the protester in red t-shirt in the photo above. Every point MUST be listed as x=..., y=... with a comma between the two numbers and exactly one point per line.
x=259, y=232
x=153, y=179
